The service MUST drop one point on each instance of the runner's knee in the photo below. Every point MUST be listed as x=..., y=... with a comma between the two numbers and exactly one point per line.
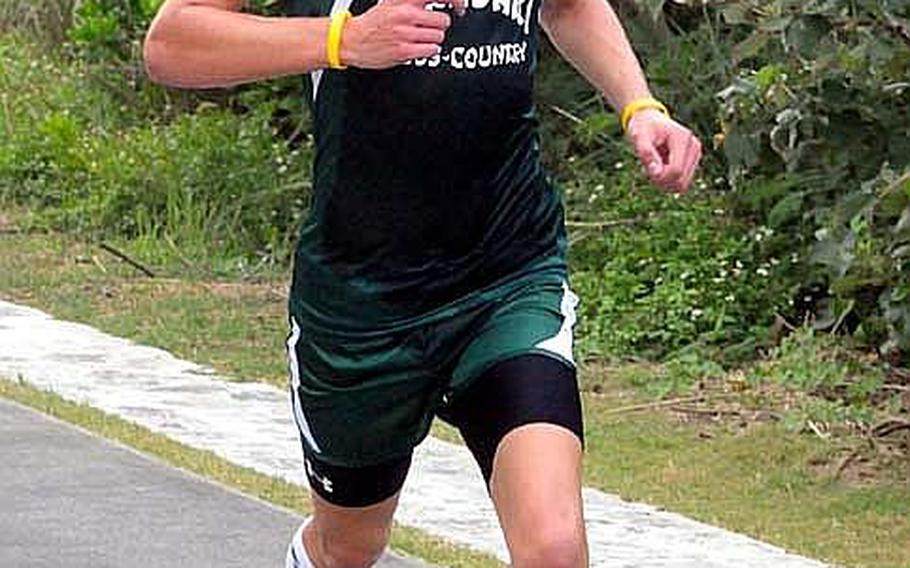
x=352, y=548
x=556, y=547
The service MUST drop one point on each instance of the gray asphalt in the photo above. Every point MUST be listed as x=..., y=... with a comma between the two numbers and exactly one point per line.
x=68, y=498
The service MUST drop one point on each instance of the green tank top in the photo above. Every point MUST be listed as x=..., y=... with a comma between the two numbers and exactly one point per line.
x=427, y=176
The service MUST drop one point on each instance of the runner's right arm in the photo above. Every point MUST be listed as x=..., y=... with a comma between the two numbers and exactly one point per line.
x=200, y=44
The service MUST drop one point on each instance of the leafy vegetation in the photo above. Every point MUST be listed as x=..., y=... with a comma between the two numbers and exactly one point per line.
x=213, y=183
x=819, y=113
x=808, y=104
x=45, y=21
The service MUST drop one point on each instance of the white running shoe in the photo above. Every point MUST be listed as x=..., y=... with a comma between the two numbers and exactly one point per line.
x=297, y=557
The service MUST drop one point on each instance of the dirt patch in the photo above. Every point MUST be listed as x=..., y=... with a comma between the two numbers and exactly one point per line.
x=855, y=453
x=156, y=287
x=7, y=225
x=614, y=383
x=112, y=295
x=14, y=220
x=868, y=463
x=237, y=290
x=874, y=454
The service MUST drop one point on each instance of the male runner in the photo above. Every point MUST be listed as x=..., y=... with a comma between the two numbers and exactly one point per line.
x=430, y=277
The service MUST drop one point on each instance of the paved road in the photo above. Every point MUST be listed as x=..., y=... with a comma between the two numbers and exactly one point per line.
x=68, y=498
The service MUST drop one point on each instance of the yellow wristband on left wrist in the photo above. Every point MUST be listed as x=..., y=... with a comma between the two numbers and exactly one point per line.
x=333, y=41
x=639, y=105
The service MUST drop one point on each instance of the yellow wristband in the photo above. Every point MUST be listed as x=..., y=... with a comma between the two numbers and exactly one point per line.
x=333, y=41
x=638, y=105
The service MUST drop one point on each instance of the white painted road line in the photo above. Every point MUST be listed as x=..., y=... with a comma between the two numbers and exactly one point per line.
x=250, y=424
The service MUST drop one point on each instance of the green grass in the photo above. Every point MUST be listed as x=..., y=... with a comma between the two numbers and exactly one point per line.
x=762, y=479
x=408, y=540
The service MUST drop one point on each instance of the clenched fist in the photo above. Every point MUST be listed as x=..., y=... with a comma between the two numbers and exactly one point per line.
x=669, y=152
x=395, y=31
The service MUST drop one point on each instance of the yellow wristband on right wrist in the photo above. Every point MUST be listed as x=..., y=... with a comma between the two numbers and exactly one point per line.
x=333, y=41
x=639, y=105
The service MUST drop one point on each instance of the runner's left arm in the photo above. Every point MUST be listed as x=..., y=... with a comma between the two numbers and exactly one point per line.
x=589, y=35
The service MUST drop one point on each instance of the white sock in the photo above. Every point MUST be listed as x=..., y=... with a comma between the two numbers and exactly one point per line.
x=297, y=555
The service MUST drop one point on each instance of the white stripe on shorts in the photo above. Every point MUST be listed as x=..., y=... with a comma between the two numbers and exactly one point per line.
x=294, y=367
x=561, y=343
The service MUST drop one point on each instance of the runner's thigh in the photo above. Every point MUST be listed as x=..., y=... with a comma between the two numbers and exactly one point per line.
x=361, y=404
x=517, y=369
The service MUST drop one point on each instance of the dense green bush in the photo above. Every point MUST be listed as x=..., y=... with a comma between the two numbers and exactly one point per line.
x=213, y=182
x=111, y=30
x=816, y=130
x=809, y=103
x=659, y=273
x=47, y=21
x=93, y=147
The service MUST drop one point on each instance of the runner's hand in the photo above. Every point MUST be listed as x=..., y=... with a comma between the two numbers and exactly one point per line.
x=395, y=31
x=668, y=150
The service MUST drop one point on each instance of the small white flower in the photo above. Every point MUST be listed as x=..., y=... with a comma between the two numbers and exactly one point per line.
x=762, y=271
